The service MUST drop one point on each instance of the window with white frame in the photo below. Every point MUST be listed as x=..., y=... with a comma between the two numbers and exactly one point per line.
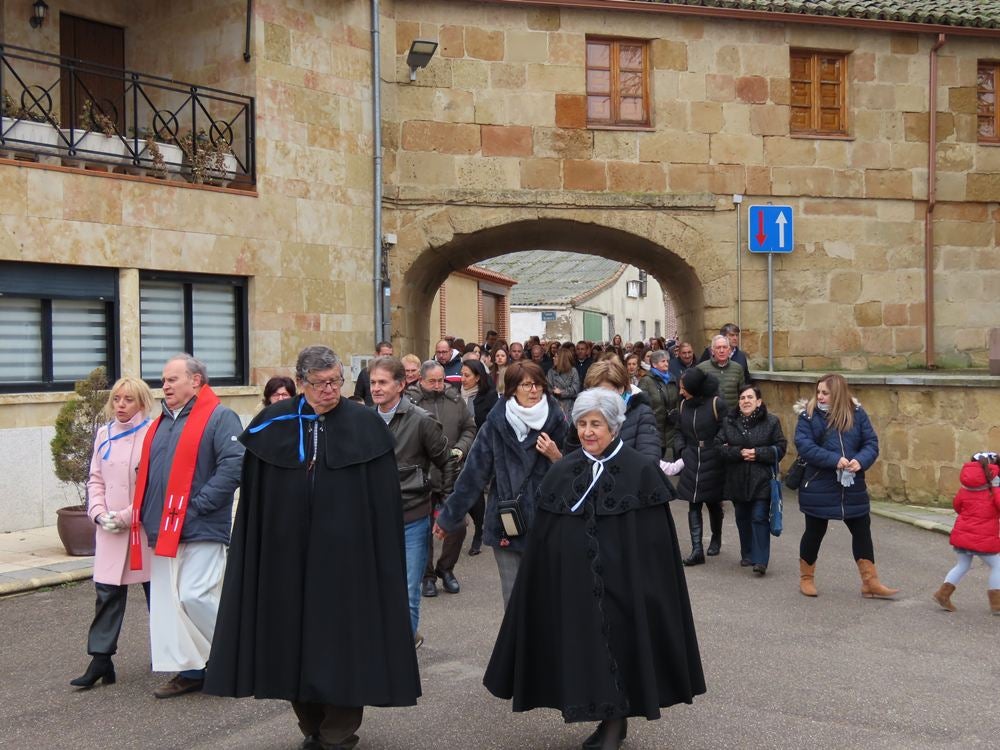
x=57, y=324
x=203, y=315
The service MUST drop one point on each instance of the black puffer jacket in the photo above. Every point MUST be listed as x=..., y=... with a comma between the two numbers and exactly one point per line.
x=698, y=422
x=750, y=480
x=638, y=432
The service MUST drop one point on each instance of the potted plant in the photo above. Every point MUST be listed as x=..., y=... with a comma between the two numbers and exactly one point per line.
x=97, y=137
x=164, y=157
x=72, y=447
x=25, y=128
x=207, y=161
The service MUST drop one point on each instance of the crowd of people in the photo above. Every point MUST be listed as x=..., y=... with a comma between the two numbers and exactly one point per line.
x=560, y=454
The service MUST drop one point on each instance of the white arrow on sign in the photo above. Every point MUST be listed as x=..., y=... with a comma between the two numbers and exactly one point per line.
x=781, y=221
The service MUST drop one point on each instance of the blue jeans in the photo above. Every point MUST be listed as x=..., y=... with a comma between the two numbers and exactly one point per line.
x=415, y=538
x=755, y=530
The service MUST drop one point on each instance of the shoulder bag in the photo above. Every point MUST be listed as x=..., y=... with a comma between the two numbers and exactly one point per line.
x=793, y=479
x=776, y=505
x=511, y=515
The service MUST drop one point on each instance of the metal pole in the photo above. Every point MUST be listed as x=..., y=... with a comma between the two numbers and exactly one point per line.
x=377, y=171
x=739, y=275
x=770, y=312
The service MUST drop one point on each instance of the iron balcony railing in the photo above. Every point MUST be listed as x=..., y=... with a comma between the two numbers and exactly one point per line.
x=70, y=111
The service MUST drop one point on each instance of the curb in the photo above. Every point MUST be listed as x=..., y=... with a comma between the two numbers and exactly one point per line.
x=940, y=528
x=50, y=578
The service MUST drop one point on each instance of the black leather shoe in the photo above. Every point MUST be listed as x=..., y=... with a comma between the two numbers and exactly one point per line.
x=697, y=557
x=450, y=583
x=429, y=587
x=760, y=569
x=100, y=668
x=596, y=740
x=475, y=549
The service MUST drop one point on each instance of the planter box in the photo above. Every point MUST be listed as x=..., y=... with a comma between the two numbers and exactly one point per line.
x=173, y=158
x=97, y=147
x=36, y=137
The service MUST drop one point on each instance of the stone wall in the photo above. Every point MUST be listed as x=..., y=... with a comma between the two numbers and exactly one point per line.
x=927, y=426
x=497, y=118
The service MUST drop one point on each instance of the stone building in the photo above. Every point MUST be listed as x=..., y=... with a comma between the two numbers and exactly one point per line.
x=622, y=129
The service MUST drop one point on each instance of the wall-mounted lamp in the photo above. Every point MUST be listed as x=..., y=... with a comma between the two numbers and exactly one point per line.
x=420, y=54
x=38, y=12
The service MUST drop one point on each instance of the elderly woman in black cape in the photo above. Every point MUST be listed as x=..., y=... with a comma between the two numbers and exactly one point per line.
x=599, y=624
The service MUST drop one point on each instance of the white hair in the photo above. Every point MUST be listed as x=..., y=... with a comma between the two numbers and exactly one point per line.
x=609, y=403
x=720, y=337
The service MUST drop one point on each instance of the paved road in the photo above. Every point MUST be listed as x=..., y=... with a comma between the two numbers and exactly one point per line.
x=783, y=671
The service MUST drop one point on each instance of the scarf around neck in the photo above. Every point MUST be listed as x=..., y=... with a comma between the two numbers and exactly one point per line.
x=468, y=394
x=596, y=469
x=524, y=419
x=663, y=376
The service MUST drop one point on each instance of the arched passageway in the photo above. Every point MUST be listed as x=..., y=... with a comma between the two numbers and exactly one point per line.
x=423, y=270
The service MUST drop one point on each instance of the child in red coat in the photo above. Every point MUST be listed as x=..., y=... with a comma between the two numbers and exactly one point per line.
x=977, y=528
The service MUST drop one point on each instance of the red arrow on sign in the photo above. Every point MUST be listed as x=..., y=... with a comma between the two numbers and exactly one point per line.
x=760, y=228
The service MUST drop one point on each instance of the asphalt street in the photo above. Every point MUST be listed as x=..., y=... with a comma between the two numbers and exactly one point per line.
x=783, y=671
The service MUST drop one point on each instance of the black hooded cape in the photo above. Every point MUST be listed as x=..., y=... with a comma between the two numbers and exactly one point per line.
x=599, y=622
x=314, y=603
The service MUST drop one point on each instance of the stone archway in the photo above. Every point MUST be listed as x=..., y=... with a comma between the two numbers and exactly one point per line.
x=452, y=238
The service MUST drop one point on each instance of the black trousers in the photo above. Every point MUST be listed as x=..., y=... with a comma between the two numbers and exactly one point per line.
x=478, y=513
x=108, y=616
x=333, y=725
x=861, y=538
x=451, y=548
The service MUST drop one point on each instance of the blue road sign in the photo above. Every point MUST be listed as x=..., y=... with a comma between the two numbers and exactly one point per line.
x=770, y=229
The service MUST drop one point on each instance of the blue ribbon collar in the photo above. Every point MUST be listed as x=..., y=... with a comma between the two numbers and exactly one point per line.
x=107, y=453
x=284, y=418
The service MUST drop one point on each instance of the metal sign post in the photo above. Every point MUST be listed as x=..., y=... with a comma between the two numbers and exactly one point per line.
x=770, y=229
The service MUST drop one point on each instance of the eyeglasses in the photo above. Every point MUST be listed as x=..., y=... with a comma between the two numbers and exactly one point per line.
x=530, y=386
x=326, y=385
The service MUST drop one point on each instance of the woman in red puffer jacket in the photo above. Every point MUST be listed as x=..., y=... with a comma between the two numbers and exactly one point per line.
x=977, y=528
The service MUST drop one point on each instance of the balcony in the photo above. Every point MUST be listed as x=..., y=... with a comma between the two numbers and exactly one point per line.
x=70, y=112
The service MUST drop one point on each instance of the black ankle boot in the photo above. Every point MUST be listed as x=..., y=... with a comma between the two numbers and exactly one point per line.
x=100, y=668
x=715, y=516
x=697, y=556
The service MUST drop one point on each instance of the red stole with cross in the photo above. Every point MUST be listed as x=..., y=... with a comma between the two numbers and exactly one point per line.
x=178, y=483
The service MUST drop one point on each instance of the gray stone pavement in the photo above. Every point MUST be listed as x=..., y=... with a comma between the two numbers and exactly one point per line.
x=783, y=671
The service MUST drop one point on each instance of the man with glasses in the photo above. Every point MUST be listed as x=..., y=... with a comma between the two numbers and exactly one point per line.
x=420, y=443
x=314, y=603
x=450, y=410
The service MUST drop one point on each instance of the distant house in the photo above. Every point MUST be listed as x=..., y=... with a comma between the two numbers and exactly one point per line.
x=569, y=296
x=471, y=302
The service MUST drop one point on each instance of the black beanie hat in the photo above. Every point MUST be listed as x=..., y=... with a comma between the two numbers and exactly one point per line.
x=693, y=381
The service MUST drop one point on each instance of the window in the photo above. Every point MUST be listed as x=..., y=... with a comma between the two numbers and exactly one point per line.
x=56, y=325
x=203, y=315
x=628, y=329
x=656, y=329
x=986, y=101
x=618, y=82
x=642, y=330
x=819, y=85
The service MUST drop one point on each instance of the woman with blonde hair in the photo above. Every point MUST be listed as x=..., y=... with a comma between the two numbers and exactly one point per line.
x=835, y=438
x=117, y=448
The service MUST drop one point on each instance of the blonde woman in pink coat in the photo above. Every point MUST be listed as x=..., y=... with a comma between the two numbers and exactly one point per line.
x=117, y=448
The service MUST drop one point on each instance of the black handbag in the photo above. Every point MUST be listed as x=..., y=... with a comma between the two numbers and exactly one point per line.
x=511, y=515
x=796, y=472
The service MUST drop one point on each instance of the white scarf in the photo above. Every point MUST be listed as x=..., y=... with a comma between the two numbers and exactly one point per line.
x=596, y=469
x=469, y=394
x=524, y=419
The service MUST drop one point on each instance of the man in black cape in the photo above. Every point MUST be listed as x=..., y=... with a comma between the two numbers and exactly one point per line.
x=314, y=604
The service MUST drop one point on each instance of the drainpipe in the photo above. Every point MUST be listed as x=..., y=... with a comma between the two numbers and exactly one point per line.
x=377, y=266
x=931, y=202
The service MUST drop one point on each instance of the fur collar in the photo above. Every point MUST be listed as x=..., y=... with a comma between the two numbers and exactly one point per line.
x=800, y=406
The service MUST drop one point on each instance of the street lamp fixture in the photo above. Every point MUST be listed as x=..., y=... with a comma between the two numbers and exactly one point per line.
x=421, y=52
x=38, y=13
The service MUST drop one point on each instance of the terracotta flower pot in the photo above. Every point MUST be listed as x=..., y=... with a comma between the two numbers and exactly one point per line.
x=76, y=531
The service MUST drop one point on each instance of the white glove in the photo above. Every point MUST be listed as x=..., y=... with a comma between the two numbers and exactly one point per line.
x=673, y=468
x=846, y=477
x=457, y=453
x=110, y=522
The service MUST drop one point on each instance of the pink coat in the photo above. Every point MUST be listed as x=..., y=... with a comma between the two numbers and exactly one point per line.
x=111, y=487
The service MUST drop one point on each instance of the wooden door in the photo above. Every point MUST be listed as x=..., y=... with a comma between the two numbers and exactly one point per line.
x=92, y=42
x=489, y=320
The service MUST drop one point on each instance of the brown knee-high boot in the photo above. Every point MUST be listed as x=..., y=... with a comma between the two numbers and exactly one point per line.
x=994, y=595
x=871, y=586
x=943, y=596
x=807, y=578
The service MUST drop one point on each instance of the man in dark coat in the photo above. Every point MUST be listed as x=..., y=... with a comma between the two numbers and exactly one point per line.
x=362, y=387
x=314, y=606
